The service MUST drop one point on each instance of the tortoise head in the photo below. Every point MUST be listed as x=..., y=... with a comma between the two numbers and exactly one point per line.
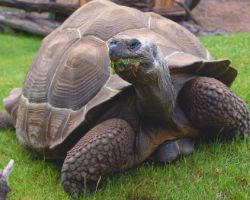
x=141, y=62
x=136, y=60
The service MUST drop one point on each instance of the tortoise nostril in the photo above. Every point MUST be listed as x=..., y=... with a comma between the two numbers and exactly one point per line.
x=113, y=43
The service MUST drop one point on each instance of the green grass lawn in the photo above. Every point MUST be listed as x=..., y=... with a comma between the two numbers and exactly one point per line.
x=214, y=171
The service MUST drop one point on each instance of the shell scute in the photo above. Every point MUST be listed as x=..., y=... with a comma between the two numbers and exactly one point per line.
x=116, y=83
x=37, y=122
x=83, y=70
x=182, y=38
x=58, y=119
x=114, y=21
x=74, y=119
x=87, y=13
x=44, y=66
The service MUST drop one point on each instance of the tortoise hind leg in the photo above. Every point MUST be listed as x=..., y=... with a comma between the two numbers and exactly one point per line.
x=11, y=107
x=208, y=103
x=5, y=120
x=171, y=150
x=103, y=150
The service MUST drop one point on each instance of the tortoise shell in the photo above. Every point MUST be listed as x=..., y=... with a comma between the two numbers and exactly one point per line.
x=71, y=74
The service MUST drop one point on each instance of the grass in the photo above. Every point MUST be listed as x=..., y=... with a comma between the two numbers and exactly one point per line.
x=214, y=171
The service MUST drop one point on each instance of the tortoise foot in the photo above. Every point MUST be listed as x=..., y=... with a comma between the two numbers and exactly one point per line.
x=171, y=150
x=209, y=104
x=234, y=134
x=103, y=150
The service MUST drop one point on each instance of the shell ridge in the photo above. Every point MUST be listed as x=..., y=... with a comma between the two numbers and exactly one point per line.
x=135, y=15
x=67, y=109
x=149, y=21
x=222, y=61
x=123, y=32
x=77, y=11
x=166, y=39
x=97, y=38
x=159, y=35
x=66, y=122
x=79, y=32
x=84, y=113
x=209, y=57
x=90, y=21
x=26, y=124
x=93, y=20
x=168, y=56
x=47, y=125
x=14, y=108
x=111, y=89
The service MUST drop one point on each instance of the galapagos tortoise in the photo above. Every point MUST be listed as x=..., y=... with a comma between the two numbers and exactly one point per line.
x=167, y=89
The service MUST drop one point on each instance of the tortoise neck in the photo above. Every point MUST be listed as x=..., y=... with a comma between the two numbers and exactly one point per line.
x=156, y=100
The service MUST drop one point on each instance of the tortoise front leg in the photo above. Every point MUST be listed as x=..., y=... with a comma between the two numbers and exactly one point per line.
x=102, y=151
x=210, y=104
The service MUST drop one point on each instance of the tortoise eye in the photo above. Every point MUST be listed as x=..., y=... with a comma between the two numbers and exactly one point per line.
x=134, y=44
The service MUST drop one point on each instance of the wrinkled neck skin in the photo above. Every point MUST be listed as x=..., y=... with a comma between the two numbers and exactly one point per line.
x=155, y=96
x=149, y=74
x=155, y=105
x=155, y=93
x=155, y=101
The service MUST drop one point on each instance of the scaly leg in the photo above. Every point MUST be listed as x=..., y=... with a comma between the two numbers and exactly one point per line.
x=5, y=120
x=102, y=151
x=208, y=103
x=11, y=106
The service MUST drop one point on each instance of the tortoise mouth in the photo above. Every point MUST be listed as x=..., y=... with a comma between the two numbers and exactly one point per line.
x=126, y=64
x=122, y=67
